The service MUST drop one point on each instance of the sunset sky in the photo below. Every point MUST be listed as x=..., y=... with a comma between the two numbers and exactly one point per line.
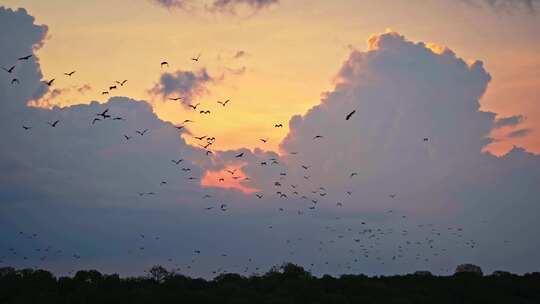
x=445, y=133
x=291, y=52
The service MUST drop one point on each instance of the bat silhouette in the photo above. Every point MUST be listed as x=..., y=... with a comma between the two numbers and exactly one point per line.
x=350, y=115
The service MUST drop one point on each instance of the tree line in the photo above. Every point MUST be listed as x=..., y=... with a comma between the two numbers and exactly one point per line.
x=288, y=283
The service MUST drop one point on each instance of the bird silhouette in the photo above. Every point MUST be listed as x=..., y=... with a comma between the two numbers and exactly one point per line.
x=224, y=103
x=104, y=93
x=187, y=120
x=164, y=63
x=196, y=58
x=194, y=107
x=259, y=195
x=264, y=140
x=350, y=115
x=278, y=126
x=392, y=195
x=127, y=137
x=239, y=155
x=9, y=70
x=104, y=114
x=141, y=133
x=121, y=83
x=205, y=146
x=200, y=138
x=426, y=139
x=54, y=124
x=15, y=80
x=204, y=112
x=50, y=82
x=317, y=136
x=353, y=174
x=95, y=120
x=25, y=57
x=26, y=128
x=70, y=73
x=112, y=88
x=175, y=98
x=177, y=161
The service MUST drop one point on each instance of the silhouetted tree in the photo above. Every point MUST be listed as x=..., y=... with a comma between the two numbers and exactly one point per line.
x=158, y=273
x=288, y=283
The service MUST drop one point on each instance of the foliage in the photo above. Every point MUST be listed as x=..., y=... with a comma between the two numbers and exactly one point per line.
x=286, y=284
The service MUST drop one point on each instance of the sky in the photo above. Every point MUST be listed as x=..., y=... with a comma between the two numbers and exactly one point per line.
x=437, y=164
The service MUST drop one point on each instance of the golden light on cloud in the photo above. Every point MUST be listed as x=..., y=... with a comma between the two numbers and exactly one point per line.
x=228, y=178
x=435, y=48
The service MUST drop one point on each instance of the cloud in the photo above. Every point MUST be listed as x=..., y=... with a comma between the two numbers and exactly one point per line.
x=30, y=37
x=511, y=121
x=239, y=54
x=228, y=6
x=519, y=133
x=50, y=96
x=172, y=4
x=403, y=92
x=237, y=71
x=77, y=185
x=187, y=84
x=507, y=6
x=231, y=5
x=84, y=88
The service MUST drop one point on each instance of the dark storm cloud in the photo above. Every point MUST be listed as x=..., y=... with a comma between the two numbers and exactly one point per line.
x=510, y=121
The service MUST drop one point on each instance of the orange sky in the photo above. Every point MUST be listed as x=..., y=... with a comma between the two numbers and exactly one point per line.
x=227, y=180
x=292, y=51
